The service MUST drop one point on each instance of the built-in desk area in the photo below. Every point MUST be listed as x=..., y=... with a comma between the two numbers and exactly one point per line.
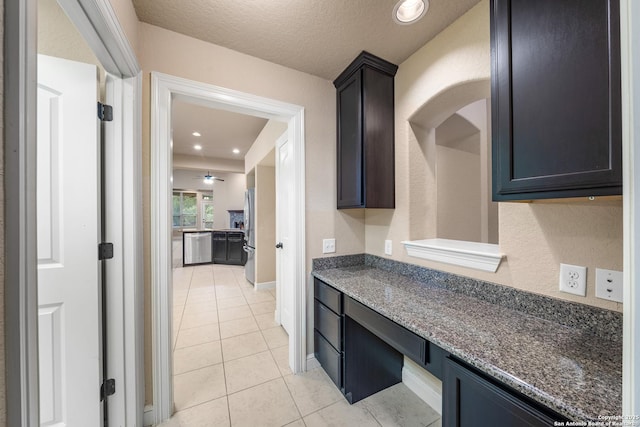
x=504, y=356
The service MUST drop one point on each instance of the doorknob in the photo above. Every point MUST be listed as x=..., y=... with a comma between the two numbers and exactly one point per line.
x=279, y=245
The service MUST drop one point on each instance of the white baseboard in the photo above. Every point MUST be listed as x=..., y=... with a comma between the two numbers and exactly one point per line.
x=149, y=417
x=423, y=384
x=264, y=285
x=312, y=362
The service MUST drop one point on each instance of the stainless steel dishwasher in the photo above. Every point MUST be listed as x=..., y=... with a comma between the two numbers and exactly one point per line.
x=196, y=247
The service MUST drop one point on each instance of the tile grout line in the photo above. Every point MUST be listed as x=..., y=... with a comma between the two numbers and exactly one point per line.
x=224, y=367
x=175, y=340
x=292, y=398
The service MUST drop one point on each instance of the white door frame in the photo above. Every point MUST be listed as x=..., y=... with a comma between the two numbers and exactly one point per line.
x=630, y=68
x=165, y=88
x=99, y=26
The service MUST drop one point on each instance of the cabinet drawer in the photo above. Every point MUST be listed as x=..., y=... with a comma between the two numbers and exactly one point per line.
x=328, y=296
x=328, y=324
x=400, y=338
x=329, y=358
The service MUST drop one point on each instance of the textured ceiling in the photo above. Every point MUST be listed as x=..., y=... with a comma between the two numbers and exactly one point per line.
x=319, y=37
x=221, y=131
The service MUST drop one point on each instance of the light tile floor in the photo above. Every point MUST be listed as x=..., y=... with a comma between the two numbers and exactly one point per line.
x=230, y=365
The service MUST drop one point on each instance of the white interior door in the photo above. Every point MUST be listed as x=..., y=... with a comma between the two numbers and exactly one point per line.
x=285, y=271
x=68, y=234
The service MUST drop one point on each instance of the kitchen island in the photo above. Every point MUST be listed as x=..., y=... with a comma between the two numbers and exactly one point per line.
x=224, y=246
x=564, y=356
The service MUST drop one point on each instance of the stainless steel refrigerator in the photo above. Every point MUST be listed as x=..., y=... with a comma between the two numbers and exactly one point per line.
x=249, y=234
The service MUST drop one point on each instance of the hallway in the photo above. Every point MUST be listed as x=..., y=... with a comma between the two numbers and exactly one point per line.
x=230, y=364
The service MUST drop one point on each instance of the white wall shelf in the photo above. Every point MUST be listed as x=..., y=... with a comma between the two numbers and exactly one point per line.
x=480, y=256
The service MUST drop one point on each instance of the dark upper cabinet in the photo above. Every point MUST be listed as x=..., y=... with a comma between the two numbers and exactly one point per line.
x=555, y=88
x=365, y=149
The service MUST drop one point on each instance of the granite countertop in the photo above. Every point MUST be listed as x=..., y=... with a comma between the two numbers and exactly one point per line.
x=567, y=369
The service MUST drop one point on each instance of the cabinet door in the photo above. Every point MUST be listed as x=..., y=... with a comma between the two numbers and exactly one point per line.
x=470, y=400
x=235, y=253
x=556, y=117
x=350, y=143
x=220, y=247
x=378, y=127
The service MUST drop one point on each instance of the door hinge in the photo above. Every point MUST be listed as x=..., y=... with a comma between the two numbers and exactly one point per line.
x=105, y=251
x=105, y=112
x=108, y=388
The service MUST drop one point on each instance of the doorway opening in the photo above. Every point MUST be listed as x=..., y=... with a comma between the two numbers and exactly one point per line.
x=166, y=90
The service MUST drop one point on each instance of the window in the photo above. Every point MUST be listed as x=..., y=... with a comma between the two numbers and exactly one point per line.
x=185, y=209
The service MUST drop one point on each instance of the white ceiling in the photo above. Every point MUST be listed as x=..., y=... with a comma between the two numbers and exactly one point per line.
x=221, y=131
x=319, y=37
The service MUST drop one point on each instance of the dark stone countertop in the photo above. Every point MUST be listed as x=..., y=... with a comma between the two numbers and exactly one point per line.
x=567, y=369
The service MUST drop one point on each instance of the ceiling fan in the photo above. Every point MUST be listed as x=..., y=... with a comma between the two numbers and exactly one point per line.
x=208, y=178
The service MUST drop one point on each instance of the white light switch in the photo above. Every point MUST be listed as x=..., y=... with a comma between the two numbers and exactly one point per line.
x=388, y=248
x=328, y=246
x=609, y=284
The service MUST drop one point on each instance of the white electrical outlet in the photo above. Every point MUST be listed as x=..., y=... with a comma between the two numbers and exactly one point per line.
x=388, y=247
x=573, y=279
x=328, y=246
x=609, y=284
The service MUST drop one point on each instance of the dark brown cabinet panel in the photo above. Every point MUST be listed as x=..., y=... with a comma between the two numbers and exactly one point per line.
x=328, y=296
x=365, y=163
x=228, y=247
x=329, y=324
x=556, y=111
x=329, y=358
x=328, y=329
x=470, y=400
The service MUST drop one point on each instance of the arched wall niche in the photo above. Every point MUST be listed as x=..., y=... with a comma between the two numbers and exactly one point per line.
x=451, y=198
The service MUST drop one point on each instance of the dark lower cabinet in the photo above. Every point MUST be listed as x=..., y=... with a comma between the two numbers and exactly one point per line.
x=219, y=247
x=471, y=400
x=235, y=253
x=227, y=248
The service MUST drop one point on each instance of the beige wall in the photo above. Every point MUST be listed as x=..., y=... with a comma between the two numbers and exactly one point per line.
x=463, y=176
x=265, y=222
x=3, y=395
x=535, y=237
x=263, y=144
x=458, y=202
x=259, y=165
x=178, y=55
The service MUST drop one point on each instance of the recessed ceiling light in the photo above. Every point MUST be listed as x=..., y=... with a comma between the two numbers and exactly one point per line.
x=196, y=134
x=236, y=151
x=409, y=11
x=197, y=147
